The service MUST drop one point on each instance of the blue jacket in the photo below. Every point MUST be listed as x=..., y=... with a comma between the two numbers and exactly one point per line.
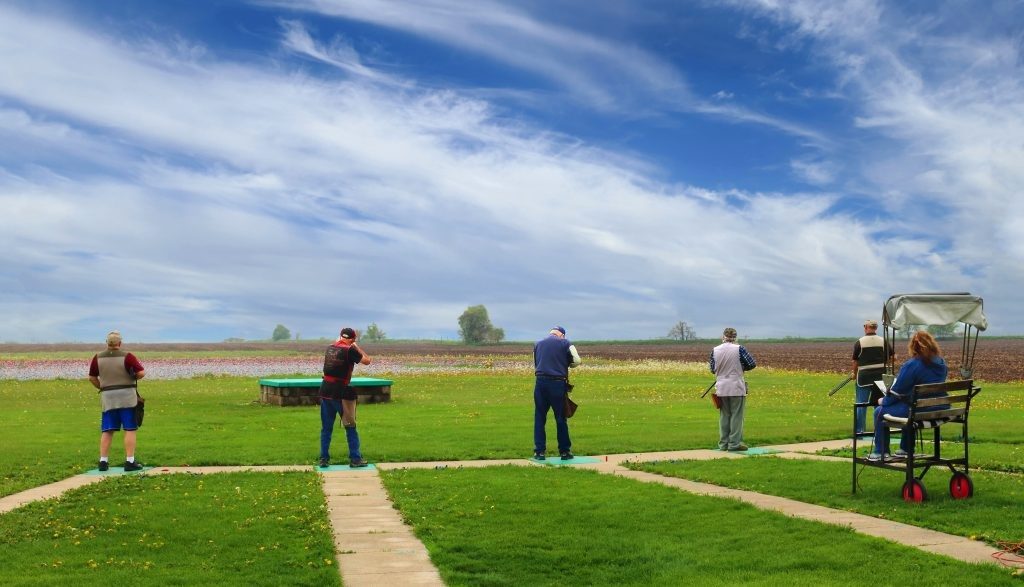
x=915, y=372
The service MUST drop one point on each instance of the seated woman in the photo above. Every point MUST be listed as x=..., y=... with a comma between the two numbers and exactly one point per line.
x=925, y=366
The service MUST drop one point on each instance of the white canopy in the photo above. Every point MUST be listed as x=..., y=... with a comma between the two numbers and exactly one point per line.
x=934, y=309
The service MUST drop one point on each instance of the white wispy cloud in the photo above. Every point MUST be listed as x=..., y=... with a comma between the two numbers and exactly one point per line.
x=225, y=196
x=948, y=98
x=600, y=73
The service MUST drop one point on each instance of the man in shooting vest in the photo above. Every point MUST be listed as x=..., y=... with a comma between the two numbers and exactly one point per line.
x=869, y=354
x=338, y=397
x=115, y=373
x=552, y=358
x=728, y=362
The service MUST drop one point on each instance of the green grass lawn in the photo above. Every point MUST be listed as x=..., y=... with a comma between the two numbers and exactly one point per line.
x=51, y=428
x=993, y=456
x=223, y=529
x=559, y=526
x=994, y=513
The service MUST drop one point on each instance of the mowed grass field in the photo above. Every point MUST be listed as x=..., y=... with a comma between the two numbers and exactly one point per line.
x=492, y=526
x=51, y=428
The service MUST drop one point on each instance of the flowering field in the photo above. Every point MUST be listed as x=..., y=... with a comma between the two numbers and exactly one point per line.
x=997, y=359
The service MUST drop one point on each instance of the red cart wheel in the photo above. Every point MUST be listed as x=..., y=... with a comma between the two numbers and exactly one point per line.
x=914, y=491
x=961, y=486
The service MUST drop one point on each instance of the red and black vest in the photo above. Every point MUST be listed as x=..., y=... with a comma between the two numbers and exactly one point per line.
x=338, y=363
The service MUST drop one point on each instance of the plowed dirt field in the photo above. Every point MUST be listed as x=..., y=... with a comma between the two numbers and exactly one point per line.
x=997, y=359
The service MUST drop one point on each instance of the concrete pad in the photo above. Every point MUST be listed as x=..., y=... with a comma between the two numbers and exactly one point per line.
x=407, y=578
x=451, y=464
x=397, y=542
x=337, y=468
x=116, y=471
x=965, y=550
x=378, y=563
x=49, y=491
x=700, y=454
x=808, y=457
x=558, y=462
x=815, y=446
x=226, y=469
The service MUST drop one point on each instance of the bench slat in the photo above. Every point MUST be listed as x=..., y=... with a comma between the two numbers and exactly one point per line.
x=940, y=414
x=938, y=401
x=929, y=388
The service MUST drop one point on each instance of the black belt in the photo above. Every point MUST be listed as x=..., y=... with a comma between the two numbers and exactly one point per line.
x=555, y=377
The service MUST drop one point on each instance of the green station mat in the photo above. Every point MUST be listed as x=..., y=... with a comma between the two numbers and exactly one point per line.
x=758, y=451
x=333, y=468
x=116, y=471
x=315, y=382
x=557, y=461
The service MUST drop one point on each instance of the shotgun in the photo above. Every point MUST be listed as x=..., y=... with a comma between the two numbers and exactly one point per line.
x=710, y=387
x=840, y=385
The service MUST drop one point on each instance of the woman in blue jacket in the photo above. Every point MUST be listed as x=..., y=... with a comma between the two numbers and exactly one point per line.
x=925, y=366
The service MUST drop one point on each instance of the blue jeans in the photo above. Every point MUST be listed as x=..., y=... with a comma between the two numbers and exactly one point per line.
x=882, y=428
x=863, y=394
x=549, y=394
x=330, y=410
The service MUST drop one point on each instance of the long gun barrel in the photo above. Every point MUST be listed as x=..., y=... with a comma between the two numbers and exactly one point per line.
x=840, y=385
x=710, y=387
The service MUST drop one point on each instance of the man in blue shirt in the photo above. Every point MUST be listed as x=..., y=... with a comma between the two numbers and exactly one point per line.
x=552, y=358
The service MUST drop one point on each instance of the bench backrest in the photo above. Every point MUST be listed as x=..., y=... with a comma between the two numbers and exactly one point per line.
x=928, y=395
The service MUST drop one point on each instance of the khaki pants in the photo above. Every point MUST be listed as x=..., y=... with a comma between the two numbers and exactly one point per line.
x=730, y=421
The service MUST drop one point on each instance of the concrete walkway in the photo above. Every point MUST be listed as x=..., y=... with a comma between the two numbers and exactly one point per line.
x=375, y=546
x=45, y=491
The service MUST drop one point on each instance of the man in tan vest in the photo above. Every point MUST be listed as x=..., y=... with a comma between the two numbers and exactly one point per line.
x=728, y=362
x=115, y=373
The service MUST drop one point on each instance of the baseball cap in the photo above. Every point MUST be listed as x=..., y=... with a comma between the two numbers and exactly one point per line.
x=348, y=333
x=559, y=328
x=871, y=323
x=729, y=333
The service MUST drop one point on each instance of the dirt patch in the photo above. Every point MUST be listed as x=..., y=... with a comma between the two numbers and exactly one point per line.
x=997, y=359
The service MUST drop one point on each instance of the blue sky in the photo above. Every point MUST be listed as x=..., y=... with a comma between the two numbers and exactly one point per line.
x=204, y=170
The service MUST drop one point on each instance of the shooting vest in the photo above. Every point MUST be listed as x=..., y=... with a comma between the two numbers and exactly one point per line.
x=338, y=364
x=871, y=361
x=552, y=357
x=729, y=380
x=117, y=385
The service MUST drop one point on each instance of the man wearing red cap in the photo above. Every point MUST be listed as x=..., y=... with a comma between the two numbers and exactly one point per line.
x=338, y=397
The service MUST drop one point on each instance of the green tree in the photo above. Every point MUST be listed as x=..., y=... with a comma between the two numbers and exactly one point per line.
x=943, y=331
x=496, y=335
x=280, y=333
x=475, y=326
x=374, y=333
x=682, y=331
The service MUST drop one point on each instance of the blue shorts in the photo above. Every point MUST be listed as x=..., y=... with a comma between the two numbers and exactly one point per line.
x=116, y=419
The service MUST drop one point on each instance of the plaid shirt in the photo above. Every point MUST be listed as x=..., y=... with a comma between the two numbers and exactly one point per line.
x=745, y=359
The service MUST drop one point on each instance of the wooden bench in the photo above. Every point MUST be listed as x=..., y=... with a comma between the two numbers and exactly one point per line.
x=306, y=392
x=932, y=406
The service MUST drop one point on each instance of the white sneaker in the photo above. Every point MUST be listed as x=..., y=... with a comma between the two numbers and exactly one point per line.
x=874, y=457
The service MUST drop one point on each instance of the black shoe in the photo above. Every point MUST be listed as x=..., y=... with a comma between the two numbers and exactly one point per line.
x=539, y=456
x=104, y=465
x=566, y=456
x=357, y=463
x=129, y=467
x=324, y=463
